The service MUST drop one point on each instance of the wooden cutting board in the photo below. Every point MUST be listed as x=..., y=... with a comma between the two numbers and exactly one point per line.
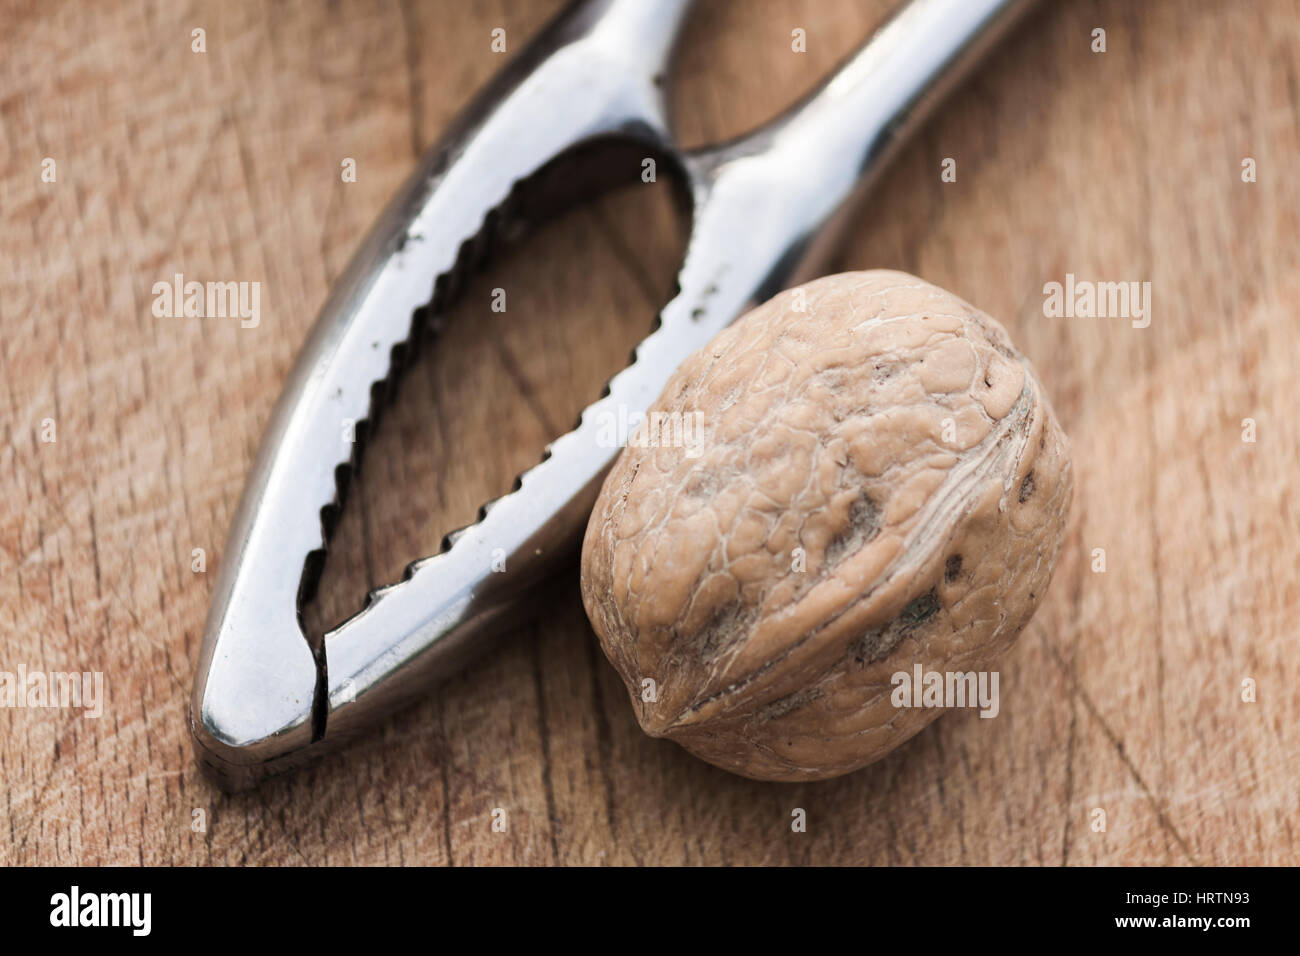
x=1125, y=694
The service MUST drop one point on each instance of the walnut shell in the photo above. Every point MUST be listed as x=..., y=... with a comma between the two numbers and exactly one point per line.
x=891, y=432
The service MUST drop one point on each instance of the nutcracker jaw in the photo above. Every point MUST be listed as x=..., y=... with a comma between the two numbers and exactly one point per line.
x=583, y=102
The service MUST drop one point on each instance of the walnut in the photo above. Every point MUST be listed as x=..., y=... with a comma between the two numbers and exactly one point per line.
x=877, y=482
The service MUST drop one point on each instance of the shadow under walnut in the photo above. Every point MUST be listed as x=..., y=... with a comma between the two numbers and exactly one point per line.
x=859, y=476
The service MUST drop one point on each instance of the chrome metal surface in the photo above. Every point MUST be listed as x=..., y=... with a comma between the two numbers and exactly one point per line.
x=766, y=209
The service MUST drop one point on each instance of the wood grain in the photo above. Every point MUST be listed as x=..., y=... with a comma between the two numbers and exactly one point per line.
x=1125, y=692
